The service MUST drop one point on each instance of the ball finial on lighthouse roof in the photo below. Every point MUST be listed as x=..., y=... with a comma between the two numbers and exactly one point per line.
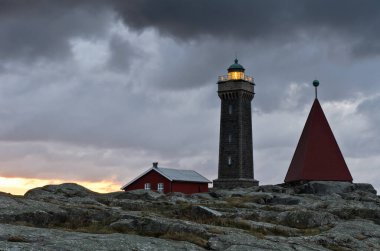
x=316, y=83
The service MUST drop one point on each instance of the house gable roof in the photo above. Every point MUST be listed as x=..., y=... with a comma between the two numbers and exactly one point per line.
x=317, y=156
x=173, y=175
x=182, y=175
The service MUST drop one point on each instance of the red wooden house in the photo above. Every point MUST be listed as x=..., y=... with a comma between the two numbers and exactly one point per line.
x=168, y=180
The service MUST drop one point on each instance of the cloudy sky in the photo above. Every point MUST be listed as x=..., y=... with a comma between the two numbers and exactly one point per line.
x=95, y=91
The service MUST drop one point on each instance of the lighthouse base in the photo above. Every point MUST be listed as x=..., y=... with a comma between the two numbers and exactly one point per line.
x=234, y=183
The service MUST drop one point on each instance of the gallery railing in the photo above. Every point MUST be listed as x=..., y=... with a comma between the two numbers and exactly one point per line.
x=228, y=77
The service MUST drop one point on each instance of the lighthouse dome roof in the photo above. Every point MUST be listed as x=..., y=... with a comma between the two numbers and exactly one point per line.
x=236, y=67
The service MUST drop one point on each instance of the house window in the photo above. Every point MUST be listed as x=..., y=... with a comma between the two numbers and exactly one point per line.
x=147, y=186
x=229, y=109
x=160, y=187
x=229, y=160
x=229, y=138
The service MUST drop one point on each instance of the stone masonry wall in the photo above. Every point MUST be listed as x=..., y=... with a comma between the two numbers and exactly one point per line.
x=235, y=132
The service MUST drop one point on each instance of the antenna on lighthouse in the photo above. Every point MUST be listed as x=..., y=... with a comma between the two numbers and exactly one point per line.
x=316, y=84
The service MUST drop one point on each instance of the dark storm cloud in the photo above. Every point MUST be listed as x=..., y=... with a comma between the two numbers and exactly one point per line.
x=122, y=54
x=287, y=20
x=32, y=30
x=38, y=29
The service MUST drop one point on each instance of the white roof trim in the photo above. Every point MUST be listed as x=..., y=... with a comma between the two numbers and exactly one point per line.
x=138, y=177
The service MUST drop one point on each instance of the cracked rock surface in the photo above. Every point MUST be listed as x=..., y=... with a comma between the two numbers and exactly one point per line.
x=311, y=216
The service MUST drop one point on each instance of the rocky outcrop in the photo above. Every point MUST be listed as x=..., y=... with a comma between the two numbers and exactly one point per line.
x=29, y=238
x=66, y=190
x=17, y=209
x=310, y=216
x=331, y=187
x=156, y=226
x=304, y=219
x=139, y=194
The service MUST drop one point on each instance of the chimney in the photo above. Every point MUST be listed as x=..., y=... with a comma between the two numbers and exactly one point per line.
x=155, y=164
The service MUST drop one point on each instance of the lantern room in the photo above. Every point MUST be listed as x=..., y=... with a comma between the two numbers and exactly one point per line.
x=236, y=72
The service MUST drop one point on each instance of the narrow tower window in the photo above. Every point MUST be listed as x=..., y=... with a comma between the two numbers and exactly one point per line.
x=230, y=109
x=229, y=138
x=229, y=160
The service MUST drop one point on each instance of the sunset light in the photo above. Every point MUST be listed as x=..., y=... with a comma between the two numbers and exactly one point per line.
x=19, y=186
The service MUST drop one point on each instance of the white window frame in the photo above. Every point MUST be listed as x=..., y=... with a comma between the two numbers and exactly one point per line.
x=229, y=160
x=147, y=186
x=160, y=187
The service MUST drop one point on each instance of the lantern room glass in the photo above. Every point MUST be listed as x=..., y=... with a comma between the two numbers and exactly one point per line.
x=236, y=75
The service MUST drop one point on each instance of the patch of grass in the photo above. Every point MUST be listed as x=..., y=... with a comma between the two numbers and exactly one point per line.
x=232, y=223
x=276, y=208
x=95, y=229
x=324, y=205
x=225, y=222
x=258, y=231
x=238, y=202
x=164, y=210
x=182, y=203
x=184, y=213
x=17, y=238
x=215, y=230
x=272, y=231
x=316, y=230
x=310, y=231
x=335, y=247
x=182, y=236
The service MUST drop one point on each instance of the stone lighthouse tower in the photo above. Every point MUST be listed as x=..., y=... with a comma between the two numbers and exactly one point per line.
x=236, y=91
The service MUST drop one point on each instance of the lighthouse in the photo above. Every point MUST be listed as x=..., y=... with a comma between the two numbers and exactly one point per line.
x=236, y=91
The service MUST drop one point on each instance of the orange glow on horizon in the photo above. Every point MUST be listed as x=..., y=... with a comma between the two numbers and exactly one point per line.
x=19, y=186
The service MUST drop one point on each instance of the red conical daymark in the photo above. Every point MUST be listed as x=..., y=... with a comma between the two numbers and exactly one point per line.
x=317, y=156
